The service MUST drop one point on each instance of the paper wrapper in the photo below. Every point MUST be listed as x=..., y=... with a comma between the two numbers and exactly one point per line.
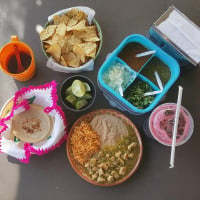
x=89, y=66
x=45, y=96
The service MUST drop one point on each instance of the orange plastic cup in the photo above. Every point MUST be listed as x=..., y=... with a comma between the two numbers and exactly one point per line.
x=8, y=50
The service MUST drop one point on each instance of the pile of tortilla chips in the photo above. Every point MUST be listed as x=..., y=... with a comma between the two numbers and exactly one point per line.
x=69, y=39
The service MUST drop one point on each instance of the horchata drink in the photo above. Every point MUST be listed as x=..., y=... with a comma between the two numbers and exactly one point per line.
x=161, y=123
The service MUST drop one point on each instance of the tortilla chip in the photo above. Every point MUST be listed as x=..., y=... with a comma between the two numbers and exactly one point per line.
x=63, y=42
x=94, y=39
x=78, y=50
x=53, y=40
x=81, y=15
x=88, y=34
x=69, y=48
x=63, y=49
x=72, y=13
x=60, y=19
x=68, y=42
x=61, y=29
x=62, y=61
x=89, y=49
x=47, y=42
x=71, y=59
x=68, y=34
x=47, y=32
x=54, y=51
x=74, y=40
x=66, y=48
x=72, y=22
x=91, y=34
x=64, y=19
x=56, y=39
x=46, y=46
x=79, y=26
x=78, y=14
x=56, y=19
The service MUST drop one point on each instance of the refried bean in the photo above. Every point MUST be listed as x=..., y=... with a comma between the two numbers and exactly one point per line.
x=110, y=129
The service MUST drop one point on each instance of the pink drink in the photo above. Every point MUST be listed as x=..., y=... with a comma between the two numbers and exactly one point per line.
x=161, y=123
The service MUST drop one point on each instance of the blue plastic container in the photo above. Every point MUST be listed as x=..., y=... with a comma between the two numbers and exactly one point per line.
x=115, y=99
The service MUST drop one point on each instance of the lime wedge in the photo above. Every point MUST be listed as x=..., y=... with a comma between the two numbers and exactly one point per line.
x=88, y=89
x=78, y=88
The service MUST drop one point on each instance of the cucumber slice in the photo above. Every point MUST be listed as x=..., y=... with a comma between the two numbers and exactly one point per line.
x=81, y=104
x=71, y=99
x=68, y=91
x=87, y=96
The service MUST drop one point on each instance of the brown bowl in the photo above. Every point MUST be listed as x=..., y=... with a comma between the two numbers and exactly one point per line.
x=88, y=117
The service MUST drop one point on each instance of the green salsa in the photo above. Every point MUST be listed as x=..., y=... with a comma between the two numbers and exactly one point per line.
x=113, y=163
x=153, y=65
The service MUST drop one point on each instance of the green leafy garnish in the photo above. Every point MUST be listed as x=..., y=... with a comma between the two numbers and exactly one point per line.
x=30, y=100
x=16, y=139
x=135, y=94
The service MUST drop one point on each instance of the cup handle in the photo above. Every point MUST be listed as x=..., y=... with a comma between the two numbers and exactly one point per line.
x=14, y=38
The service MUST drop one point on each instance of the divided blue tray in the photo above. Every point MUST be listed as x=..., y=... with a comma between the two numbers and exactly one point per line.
x=116, y=99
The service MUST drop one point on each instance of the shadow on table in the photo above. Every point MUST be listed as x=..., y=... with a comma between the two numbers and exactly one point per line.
x=52, y=177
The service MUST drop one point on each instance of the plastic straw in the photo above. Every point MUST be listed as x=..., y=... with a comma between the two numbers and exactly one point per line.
x=159, y=84
x=152, y=93
x=146, y=53
x=158, y=81
x=121, y=91
x=20, y=68
x=178, y=106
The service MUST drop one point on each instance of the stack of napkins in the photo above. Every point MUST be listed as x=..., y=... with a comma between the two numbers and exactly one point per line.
x=183, y=33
